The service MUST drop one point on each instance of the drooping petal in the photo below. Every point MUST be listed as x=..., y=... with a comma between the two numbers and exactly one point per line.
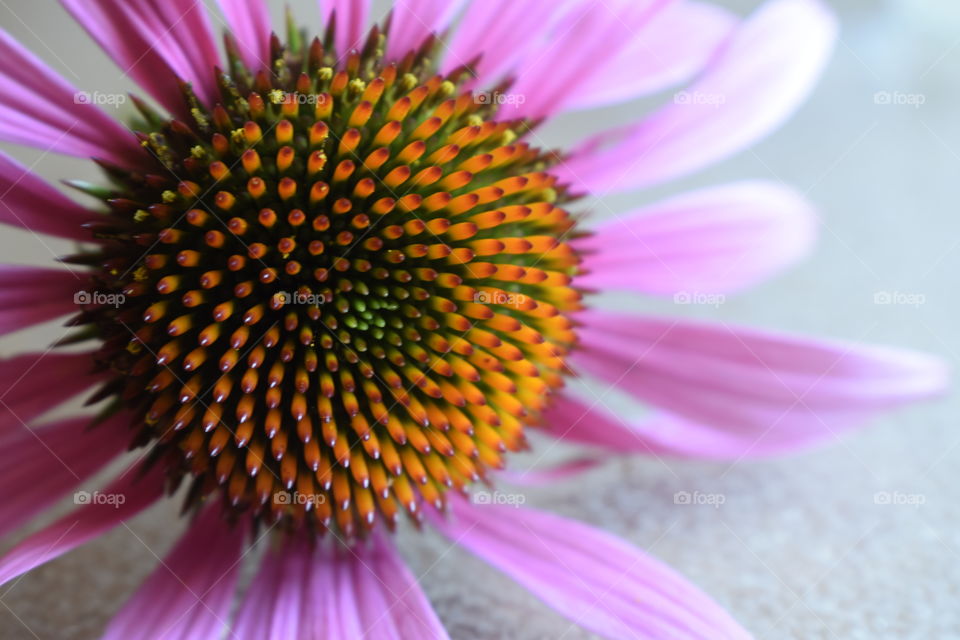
x=249, y=22
x=188, y=596
x=503, y=32
x=38, y=108
x=33, y=383
x=155, y=42
x=351, y=16
x=31, y=295
x=716, y=240
x=663, y=434
x=27, y=201
x=39, y=466
x=121, y=500
x=597, y=580
x=763, y=74
x=590, y=31
x=328, y=591
x=751, y=381
x=676, y=44
x=414, y=20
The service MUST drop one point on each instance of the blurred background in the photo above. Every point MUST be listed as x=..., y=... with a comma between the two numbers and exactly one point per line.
x=802, y=547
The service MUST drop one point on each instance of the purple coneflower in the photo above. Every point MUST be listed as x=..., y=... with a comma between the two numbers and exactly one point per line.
x=334, y=280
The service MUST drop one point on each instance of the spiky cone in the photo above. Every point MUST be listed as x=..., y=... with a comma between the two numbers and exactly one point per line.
x=346, y=295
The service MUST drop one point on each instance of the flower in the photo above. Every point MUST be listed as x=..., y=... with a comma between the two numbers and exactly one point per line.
x=335, y=278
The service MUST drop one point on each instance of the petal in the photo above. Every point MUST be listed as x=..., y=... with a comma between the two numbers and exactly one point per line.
x=249, y=22
x=502, y=32
x=31, y=295
x=597, y=580
x=330, y=591
x=761, y=77
x=155, y=42
x=39, y=466
x=549, y=474
x=590, y=31
x=351, y=17
x=188, y=596
x=750, y=381
x=413, y=20
x=676, y=44
x=28, y=202
x=715, y=240
x=663, y=434
x=121, y=500
x=34, y=383
x=40, y=109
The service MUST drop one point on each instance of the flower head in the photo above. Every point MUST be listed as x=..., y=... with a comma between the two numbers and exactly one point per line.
x=336, y=279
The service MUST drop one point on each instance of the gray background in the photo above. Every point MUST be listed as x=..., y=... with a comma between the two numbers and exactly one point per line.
x=800, y=548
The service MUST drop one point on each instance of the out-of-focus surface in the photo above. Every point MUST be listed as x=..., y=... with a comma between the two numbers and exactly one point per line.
x=860, y=539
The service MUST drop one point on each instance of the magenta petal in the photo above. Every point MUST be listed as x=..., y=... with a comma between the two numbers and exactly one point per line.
x=249, y=22
x=587, y=33
x=31, y=295
x=39, y=466
x=676, y=44
x=351, y=18
x=328, y=591
x=504, y=32
x=764, y=73
x=40, y=109
x=751, y=382
x=121, y=500
x=34, y=383
x=155, y=42
x=27, y=201
x=716, y=240
x=188, y=596
x=414, y=20
x=597, y=580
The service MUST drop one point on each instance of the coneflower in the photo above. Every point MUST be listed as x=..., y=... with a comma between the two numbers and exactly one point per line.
x=339, y=278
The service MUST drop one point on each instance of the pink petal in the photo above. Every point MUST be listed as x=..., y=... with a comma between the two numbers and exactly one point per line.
x=542, y=476
x=330, y=591
x=764, y=73
x=662, y=434
x=597, y=580
x=28, y=202
x=39, y=466
x=747, y=381
x=34, y=383
x=715, y=240
x=121, y=500
x=676, y=44
x=155, y=42
x=414, y=20
x=188, y=596
x=351, y=16
x=249, y=22
x=38, y=108
x=590, y=31
x=504, y=32
x=31, y=295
